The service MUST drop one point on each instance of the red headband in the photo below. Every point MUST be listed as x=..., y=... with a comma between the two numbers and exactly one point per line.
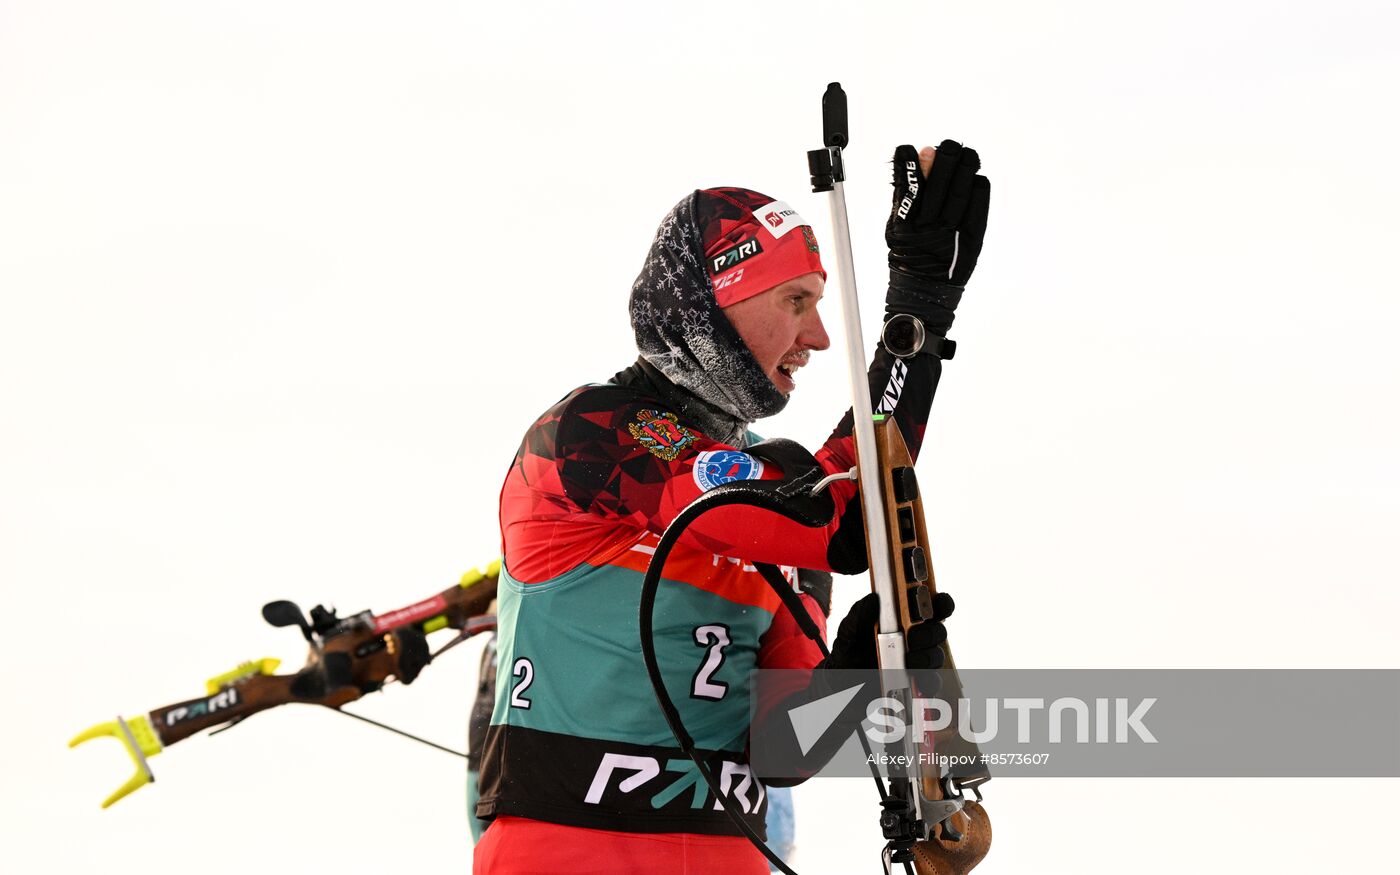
x=753, y=243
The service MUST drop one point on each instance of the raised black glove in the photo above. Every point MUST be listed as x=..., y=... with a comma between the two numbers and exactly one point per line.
x=854, y=647
x=935, y=232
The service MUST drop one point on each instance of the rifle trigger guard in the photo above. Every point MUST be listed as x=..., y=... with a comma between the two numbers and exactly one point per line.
x=936, y=812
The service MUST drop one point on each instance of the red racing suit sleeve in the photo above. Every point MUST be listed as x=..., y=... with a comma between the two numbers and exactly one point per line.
x=610, y=455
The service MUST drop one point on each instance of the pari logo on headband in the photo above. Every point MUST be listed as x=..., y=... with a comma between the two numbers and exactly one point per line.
x=731, y=257
x=779, y=218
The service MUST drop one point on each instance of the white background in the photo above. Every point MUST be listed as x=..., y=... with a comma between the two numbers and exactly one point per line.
x=284, y=283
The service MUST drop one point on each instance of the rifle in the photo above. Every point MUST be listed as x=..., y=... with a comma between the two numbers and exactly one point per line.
x=349, y=657
x=927, y=819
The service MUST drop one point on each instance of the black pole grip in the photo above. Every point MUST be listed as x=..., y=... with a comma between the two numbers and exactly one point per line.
x=834, y=132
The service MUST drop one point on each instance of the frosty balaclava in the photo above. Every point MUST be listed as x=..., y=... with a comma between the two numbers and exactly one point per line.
x=715, y=248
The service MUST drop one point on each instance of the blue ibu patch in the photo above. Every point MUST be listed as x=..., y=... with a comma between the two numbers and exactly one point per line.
x=717, y=467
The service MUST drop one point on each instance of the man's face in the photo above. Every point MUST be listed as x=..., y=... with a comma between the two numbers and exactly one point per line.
x=781, y=327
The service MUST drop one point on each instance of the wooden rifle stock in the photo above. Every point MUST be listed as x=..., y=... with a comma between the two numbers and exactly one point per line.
x=960, y=843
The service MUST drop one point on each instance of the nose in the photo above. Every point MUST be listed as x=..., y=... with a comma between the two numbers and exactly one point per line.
x=813, y=334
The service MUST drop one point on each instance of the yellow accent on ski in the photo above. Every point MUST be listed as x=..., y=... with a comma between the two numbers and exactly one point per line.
x=140, y=741
x=475, y=575
x=266, y=665
x=436, y=623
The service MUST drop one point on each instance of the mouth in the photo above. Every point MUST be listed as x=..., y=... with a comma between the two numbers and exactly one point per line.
x=784, y=375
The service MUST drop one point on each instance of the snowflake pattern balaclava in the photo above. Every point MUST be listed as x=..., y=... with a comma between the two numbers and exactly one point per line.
x=737, y=239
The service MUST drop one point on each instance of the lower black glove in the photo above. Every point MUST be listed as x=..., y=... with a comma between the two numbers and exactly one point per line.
x=854, y=647
x=774, y=749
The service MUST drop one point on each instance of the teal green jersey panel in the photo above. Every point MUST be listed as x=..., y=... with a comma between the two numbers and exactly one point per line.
x=570, y=658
